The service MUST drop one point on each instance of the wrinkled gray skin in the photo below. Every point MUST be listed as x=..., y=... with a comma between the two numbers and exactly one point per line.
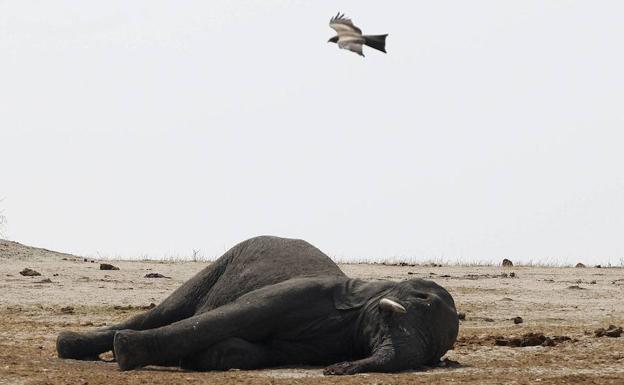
x=272, y=301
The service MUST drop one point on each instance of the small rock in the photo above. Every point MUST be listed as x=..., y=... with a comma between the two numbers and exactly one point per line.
x=488, y=319
x=67, y=310
x=575, y=287
x=85, y=260
x=28, y=272
x=433, y=264
x=507, y=263
x=506, y=299
x=579, y=265
x=612, y=331
x=410, y=273
x=502, y=342
x=55, y=275
x=518, y=320
x=598, y=266
x=45, y=280
x=461, y=316
x=512, y=274
x=530, y=339
x=592, y=282
x=155, y=275
x=548, y=342
x=108, y=266
x=88, y=323
x=504, y=275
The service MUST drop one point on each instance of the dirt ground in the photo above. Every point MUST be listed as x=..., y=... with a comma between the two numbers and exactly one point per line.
x=74, y=294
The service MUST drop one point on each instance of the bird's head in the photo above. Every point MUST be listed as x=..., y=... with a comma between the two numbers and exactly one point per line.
x=333, y=40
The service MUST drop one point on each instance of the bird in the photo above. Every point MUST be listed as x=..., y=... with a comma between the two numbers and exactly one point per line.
x=350, y=37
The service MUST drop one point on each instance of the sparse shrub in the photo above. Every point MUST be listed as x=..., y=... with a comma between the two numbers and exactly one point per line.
x=3, y=222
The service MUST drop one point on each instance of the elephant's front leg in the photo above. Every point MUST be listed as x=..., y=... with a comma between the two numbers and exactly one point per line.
x=380, y=361
x=233, y=353
x=252, y=317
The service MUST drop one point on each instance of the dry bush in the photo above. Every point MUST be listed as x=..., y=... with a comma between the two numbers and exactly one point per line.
x=3, y=222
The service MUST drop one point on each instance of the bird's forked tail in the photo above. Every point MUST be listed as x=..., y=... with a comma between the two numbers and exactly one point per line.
x=376, y=41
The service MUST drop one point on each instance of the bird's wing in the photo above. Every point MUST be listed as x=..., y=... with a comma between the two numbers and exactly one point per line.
x=343, y=25
x=352, y=45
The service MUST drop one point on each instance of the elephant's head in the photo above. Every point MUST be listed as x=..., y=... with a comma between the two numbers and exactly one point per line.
x=405, y=324
x=420, y=323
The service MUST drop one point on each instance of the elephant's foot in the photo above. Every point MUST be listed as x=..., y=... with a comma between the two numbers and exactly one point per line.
x=129, y=350
x=340, y=369
x=84, y=346
x=381, y=361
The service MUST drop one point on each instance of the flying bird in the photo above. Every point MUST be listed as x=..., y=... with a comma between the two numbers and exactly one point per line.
x=350, y=37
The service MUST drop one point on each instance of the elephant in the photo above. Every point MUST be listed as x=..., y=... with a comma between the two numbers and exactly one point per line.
x=271, y=301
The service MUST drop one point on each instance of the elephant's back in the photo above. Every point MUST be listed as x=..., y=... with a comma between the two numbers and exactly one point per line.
x=284, y=257
x=267, y=260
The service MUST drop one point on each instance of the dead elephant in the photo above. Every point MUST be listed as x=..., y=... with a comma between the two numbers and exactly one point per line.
x=272, y=301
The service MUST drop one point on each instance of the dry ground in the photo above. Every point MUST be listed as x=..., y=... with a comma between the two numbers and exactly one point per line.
x=31, y=316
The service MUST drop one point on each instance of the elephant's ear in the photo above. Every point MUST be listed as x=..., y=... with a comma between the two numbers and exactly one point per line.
x=355, y=293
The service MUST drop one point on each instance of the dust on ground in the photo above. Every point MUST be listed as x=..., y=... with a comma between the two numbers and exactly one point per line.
x=72, y=293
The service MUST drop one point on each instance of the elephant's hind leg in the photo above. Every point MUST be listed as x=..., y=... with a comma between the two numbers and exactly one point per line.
x=84, y=346
x=181, y=304
x=89, y=345
x=233, y=353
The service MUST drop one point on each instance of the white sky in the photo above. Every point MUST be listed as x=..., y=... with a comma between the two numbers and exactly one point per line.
x=491, y=129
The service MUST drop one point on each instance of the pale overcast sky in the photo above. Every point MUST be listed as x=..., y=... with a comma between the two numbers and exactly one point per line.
x=491, y=129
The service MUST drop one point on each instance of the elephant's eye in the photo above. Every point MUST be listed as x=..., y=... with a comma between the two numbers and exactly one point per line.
x=422, y=296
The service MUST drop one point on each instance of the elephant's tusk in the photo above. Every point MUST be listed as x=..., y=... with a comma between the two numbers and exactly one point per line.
x=390, y=305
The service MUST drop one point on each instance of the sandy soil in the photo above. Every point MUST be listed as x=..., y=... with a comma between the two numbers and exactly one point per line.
x=571, y=302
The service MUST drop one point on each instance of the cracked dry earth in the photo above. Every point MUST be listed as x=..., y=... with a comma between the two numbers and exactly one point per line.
x=570, y=302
